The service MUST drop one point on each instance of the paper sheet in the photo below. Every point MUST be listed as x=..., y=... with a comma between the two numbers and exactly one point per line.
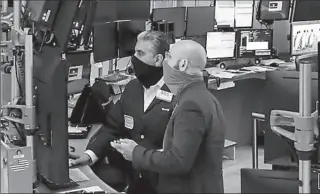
x=222, y=74
x=77, y=176
x=86, y=190
x=259, y=69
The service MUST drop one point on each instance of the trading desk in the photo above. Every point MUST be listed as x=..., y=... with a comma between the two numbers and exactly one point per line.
x=80, y=146
x=239, y=102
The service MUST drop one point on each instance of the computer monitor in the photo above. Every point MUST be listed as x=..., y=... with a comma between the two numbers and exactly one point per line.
x=79, y=70
x=220, y=45
x=105, y=44
x=105, y=11
x=236, y=13
x=306, y=10
x=133, y=9
x=304, y=37
x=269, y=10
x=243, y=15
x=128, y=32
x=200, y=20
x=224, y=13
x=254, y=43
x=177, y=15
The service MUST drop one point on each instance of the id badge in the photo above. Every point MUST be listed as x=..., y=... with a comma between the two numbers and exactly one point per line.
x=165, y=96
x=128, y=121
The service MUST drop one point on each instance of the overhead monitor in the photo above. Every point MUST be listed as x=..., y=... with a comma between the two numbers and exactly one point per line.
x=105, y=45
x=244, y=13
x=225, y=13
x=200, y=20
x=254, y=43
x=172, y=14
x=106, y=11
x=234, y=13
x=111, y=10
x=133, y=9
x=306, y=10
x=220, y=45
x=304, y=37
x=128, y=32
x=271, y=10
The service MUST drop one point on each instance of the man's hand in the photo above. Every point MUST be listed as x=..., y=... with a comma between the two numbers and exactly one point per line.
x=125, y=147
x=79, y=160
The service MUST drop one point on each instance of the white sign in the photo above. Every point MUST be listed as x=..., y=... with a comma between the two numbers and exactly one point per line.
x=275, y=5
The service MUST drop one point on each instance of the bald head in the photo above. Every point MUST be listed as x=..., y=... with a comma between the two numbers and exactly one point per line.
x=192, y=51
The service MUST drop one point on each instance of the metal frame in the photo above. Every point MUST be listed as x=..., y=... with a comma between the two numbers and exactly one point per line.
x=256, y=117
x=304, y=122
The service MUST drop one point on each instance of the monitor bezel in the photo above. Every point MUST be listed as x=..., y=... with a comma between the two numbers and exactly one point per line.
x=238, y=36
x=223, y=58
x=291, y=37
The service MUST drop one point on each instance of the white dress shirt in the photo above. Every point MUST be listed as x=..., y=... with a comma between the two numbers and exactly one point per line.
x=149, y=95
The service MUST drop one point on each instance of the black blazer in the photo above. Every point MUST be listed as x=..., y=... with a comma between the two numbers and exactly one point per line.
x=148, y=127
x=193, y=145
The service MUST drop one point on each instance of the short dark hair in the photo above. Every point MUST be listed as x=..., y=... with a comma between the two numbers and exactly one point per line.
x=158, y=39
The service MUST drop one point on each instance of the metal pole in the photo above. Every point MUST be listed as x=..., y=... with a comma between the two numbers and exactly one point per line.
x=29, y=95
x=16, y=24
x=254, y=146
x=305, y=111
x=256, y=117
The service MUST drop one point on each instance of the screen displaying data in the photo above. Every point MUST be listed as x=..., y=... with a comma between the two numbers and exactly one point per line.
x=238, y=14
x=220, y=45
x=304, y=37
x=225, y=13
x=256, y=42
x=244, y=13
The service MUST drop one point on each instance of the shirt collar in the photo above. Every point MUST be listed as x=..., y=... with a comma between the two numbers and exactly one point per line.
x=159, y=84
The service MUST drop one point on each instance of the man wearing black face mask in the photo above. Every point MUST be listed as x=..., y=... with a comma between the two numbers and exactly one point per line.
x=141, y=114
x=191, y=159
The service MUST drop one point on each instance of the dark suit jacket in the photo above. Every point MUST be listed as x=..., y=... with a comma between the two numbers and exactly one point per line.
x=148, y=127
x=193, y=145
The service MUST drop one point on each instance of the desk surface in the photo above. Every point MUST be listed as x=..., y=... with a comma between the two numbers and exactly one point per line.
x=80, y=146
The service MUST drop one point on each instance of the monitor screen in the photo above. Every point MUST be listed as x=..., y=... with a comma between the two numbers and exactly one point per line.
x=200, y=20
x=306, y=10
x=274, y=10
x=105, y=46
x=133, y=9
x=106, y=11
x=304, y=37
x=109, y=10
x=238, y=13
x=128, y=32
x=244, y=13
x=225, y=13
x=79, y=70
x=220, y=45
x=175, y=15
x=255, y=42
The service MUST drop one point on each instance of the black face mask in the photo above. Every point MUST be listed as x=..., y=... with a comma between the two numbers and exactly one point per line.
x=148, y=75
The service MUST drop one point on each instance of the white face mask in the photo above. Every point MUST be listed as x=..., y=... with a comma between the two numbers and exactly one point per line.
x=176, y=80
